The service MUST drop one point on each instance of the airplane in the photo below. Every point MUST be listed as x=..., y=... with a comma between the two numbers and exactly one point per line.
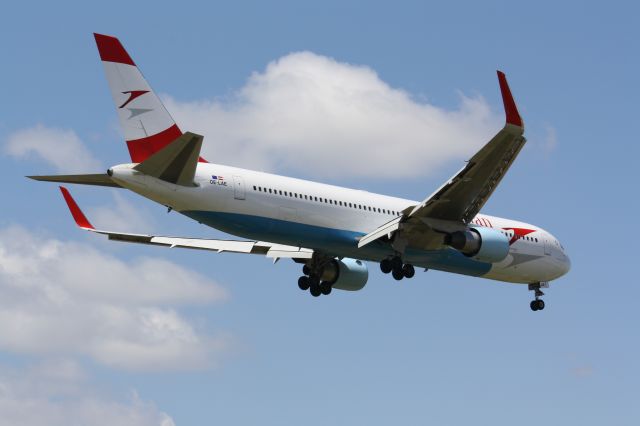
x=330, y=230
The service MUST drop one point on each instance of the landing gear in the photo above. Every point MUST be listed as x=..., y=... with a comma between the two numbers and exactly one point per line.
x=303, y=283
x=311, y=281
x=397, y=269
x=386, y=266
x=537, y=304
x=408, y=270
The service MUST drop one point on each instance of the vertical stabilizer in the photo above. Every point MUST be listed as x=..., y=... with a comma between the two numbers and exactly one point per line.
x=147, y=125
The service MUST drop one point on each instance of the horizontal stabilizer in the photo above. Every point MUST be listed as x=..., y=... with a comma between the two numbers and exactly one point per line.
x=176, y=163
x=97, y=179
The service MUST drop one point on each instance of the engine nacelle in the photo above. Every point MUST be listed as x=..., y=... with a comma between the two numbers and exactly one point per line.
x=346, y=274
x=480, y=243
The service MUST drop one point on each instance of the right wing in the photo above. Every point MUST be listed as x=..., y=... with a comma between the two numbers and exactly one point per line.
x=454, y=205
x=271, y=250
x=462, y=197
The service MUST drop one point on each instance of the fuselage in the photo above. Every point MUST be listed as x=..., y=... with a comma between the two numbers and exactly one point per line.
x=331, y=219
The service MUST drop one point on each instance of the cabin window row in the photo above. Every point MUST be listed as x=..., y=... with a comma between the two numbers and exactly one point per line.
x=520, y=237
x=324, y=200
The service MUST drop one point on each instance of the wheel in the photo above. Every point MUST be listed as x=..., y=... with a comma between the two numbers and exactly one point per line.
x=306, y=270
x=314, y=280
x=325, y=288
x=396, y=262
x=303, y=283
x=315, y=290
x=534, y=305
x=397, y=274
x=385, y=266
x=540, y=305
x=408, y=271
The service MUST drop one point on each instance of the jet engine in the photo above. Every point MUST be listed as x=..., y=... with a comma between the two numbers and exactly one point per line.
x=346, y=274
x=480, y=243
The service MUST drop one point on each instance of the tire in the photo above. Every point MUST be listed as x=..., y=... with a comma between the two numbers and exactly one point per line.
x=325, y=288
x=397, y=274
x=540, y=305
x=385, y=266
x=534, y=305
x=303, y=283
x=306, y=270
x=408, y=271
x=315, y=290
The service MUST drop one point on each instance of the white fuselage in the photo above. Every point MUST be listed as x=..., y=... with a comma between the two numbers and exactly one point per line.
x=331, y=219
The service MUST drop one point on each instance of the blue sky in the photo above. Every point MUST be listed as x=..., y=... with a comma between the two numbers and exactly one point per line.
x=233, y=341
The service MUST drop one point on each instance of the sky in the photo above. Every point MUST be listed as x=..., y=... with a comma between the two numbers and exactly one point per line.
x=389, y=97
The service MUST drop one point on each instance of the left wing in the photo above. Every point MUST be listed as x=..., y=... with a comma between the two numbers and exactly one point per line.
x=271, y=250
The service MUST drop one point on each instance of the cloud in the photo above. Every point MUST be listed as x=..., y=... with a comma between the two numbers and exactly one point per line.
x=312, y=114
x=57, y=392
x=550, y=141
x=67, y=298
x=121, y=215
x=61, y=148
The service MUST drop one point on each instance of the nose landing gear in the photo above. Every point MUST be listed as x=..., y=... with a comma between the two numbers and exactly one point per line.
x=537, y=304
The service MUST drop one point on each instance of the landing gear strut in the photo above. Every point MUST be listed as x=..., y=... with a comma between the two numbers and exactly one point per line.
x=395, y=266
x=537, y=304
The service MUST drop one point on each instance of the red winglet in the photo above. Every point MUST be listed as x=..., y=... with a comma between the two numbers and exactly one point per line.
x=112, y=50
x=78, y=216
x=510, y=109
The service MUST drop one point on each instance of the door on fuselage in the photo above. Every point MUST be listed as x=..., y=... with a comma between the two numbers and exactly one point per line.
x=547, y=245
x=238, y=187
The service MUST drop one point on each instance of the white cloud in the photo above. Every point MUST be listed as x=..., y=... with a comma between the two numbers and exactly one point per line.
x=121, y=215
x=550, y=141
x=309, y=113
x=61, y=148
x=60, y=297
x=57, y=392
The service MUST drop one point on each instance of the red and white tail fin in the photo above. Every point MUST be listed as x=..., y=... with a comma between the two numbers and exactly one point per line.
x=147, y=125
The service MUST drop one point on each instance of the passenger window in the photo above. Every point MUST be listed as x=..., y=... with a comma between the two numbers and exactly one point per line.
x=280, y=191
x=269, y=190
x=254, y=187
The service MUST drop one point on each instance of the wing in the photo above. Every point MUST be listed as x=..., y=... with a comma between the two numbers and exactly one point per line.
x=462, y=197
x=264, y=248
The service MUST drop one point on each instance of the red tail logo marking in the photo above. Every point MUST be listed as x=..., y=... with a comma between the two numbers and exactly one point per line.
x=133, y=94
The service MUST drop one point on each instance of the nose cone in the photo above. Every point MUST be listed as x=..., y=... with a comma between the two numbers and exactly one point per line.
x=565, y=264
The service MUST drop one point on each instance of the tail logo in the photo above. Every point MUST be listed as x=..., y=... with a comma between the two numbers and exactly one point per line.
x=133, y=94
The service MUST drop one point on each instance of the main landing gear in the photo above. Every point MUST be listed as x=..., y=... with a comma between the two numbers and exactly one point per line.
x=311, y=281
x=397, y=268
x=537, y=304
